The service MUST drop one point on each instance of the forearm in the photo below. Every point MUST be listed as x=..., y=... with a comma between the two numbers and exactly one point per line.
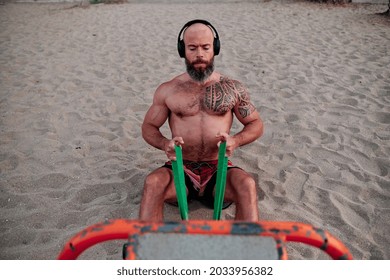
x=154, y=137
x=249, y=133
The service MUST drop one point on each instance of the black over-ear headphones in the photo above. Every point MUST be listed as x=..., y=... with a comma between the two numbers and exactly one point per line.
x=180, y=41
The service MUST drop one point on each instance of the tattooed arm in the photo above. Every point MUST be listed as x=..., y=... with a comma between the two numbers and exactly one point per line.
x=247, y=114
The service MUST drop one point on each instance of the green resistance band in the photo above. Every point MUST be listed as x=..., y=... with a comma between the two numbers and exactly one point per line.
x=178, y=177
x=221, y=181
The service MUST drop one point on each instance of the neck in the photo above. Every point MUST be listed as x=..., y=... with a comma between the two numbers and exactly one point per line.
x=213, y=77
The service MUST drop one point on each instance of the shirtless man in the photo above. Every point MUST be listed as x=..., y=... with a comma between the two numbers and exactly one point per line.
x=199, y=106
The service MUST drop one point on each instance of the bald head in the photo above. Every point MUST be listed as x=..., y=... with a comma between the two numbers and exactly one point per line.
x=194, y=30
x=198, y=37
x=197, y=47
x=198, y=31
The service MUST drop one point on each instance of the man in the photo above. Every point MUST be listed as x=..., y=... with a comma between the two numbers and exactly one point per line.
x=199, y=106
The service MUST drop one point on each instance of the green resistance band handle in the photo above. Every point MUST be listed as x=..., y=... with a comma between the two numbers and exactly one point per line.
x=221, y=181
x=178, y=177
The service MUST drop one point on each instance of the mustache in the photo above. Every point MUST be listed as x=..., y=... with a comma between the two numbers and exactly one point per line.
x=199, y=61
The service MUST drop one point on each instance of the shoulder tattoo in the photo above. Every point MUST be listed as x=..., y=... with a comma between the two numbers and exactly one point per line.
x=221, y=97
x=245, y=106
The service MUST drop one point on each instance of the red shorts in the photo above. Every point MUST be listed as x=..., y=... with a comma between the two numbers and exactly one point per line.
x=200, y=180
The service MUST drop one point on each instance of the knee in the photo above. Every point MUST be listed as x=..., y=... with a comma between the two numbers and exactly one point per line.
x=241, y=185
x=151, y=180
x=244, y=182
x=156, y=182
x=247, y=186
x=249, y=182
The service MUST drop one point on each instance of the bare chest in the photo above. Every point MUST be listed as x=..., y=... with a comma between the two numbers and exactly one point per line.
x=216, y=99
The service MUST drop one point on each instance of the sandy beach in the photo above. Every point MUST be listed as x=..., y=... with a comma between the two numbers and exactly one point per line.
x=75, y=84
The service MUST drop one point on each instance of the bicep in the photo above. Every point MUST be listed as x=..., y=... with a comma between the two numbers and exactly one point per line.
x=244, y=109
x=156, y=115
x=158, y=111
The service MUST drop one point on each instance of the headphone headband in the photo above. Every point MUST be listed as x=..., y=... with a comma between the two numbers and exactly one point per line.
x=180, y=41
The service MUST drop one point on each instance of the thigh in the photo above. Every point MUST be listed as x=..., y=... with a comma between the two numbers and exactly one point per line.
x=236, y=179
x=169, y=183
x=163, y=178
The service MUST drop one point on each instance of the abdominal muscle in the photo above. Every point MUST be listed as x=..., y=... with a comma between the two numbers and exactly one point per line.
x=199, y=134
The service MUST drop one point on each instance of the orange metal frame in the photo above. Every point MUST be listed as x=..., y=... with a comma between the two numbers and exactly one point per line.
x=131, y=229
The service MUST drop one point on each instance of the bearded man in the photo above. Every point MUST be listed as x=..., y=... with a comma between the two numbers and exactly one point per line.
x=199, y=106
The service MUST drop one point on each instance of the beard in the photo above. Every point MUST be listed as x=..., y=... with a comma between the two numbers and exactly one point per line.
x=200, y=75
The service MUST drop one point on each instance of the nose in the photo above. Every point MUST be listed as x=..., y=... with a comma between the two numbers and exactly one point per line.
x=199, y=53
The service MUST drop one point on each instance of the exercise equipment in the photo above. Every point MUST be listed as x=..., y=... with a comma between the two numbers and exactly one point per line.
x=181, y=193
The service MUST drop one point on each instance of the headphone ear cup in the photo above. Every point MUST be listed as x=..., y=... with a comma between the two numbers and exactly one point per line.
x=181, y=48
x=217, y=46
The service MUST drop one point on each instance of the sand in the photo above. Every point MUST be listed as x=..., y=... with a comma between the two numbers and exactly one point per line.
x=75, y=84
